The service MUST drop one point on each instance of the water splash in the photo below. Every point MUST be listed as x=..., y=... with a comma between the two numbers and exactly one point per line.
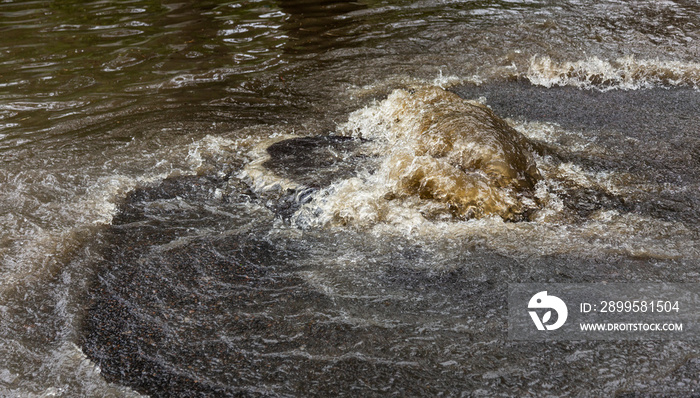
x=626, y=73
x=447, y=156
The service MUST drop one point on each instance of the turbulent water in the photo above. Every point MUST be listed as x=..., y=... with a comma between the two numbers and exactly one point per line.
x=315, y=198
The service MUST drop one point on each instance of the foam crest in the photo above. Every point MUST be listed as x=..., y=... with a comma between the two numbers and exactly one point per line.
x=626, y=73
x=439, y=157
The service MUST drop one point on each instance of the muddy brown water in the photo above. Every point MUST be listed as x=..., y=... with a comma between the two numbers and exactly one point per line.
x=151, y=244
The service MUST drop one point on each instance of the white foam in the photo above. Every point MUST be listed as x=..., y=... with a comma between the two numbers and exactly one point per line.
x=625, y=73
x=606, y=234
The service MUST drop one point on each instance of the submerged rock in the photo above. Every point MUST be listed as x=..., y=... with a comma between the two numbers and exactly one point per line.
x=313, y=162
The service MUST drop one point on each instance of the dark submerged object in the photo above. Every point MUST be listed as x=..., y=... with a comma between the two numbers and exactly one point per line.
x=315, y=162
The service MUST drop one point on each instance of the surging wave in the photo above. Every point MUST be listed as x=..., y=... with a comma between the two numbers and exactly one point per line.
x=439, y=157
x=626, y=73
x=422, y=161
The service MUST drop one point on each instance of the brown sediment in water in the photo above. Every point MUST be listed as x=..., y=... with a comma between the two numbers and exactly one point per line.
x=457, y=153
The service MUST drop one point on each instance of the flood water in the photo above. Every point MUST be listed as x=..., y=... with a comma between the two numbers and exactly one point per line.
x=236, y=198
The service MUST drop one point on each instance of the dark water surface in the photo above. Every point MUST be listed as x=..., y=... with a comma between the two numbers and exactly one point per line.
x=165, y=231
